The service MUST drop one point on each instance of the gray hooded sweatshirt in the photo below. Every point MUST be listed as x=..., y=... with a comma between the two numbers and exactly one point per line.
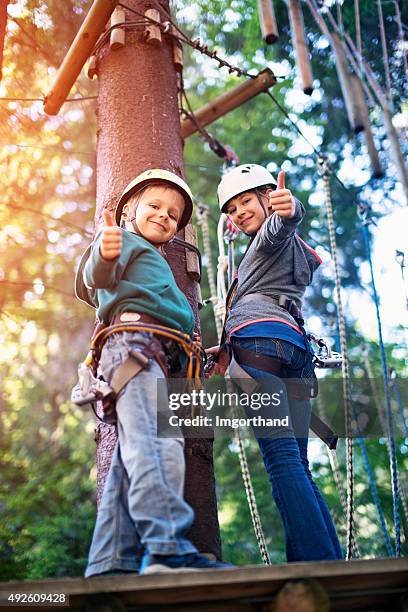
x=278, y=262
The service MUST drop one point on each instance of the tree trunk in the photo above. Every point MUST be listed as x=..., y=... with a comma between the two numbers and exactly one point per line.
x=139, y=128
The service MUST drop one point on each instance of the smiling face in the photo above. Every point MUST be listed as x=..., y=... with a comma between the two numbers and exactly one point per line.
x=246, y=212
x=157, y=212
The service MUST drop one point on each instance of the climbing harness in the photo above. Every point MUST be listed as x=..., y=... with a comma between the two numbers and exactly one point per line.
x=161, y=347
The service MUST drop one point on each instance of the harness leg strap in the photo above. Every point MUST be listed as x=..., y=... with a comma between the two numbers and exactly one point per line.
x=128, y=370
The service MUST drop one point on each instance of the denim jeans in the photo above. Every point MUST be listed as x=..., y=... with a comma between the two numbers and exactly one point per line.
x=142, y=504
x=309, y=530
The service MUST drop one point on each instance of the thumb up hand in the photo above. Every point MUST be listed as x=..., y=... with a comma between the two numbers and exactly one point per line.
x=111, y=241
x=281, y=200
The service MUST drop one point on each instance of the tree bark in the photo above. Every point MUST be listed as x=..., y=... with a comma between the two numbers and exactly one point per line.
x=139, y=128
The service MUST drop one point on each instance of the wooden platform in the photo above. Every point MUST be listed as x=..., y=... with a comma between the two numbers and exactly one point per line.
x=374, y=585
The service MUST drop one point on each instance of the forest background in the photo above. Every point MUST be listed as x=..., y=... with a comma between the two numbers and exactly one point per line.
x=47, y=173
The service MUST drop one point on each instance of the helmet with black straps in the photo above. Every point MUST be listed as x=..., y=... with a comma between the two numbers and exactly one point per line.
x=153, y=176
x=242, y=178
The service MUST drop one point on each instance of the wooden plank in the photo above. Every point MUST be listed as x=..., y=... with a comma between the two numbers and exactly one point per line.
x=353, y=585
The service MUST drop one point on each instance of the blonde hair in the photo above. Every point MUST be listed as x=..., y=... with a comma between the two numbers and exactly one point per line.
x=133, y=201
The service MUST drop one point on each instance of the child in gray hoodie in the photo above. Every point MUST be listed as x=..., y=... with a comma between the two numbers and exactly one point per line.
x=264, y=334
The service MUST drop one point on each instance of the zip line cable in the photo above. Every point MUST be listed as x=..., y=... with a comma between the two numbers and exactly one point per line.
x=195, y=44
x=220, y=150
x=280, y=107
x=125, y=25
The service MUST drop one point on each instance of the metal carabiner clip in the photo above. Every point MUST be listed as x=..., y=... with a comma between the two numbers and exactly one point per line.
x=325, y=357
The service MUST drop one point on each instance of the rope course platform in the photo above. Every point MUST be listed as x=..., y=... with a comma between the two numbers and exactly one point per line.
x=363, y=585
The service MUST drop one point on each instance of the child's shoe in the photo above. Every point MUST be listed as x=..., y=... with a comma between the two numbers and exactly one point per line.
x=155, y=564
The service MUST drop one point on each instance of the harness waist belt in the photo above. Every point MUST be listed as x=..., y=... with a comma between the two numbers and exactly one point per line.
x=258, y=361
x=283, y=301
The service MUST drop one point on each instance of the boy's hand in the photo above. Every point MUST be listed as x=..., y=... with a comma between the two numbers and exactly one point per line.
x=111, y=242
x=281, y=200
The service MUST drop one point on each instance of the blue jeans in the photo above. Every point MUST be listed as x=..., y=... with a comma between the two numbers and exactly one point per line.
x=309, y=530
x=142, y=504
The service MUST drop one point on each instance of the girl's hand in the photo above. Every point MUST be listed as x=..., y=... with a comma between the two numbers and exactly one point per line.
x=111, y=241
x=220, y=363
x=281, y=200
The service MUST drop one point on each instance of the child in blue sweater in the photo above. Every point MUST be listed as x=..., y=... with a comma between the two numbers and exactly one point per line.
x=128, y=280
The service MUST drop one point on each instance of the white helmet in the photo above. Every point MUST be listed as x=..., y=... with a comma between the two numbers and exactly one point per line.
x=240, y=179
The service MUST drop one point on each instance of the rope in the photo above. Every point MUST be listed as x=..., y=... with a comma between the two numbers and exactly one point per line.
x=338, y=479
x=202, y=220
x=323, y=169
x=250, y=494
x=243, y=460
x=223, y=151
x=392, y=450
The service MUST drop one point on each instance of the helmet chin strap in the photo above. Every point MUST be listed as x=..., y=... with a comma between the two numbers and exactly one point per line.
x=139, y=233
x=134, y=225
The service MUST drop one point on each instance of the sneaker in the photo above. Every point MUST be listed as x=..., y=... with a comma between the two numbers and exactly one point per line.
x=156, y=564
